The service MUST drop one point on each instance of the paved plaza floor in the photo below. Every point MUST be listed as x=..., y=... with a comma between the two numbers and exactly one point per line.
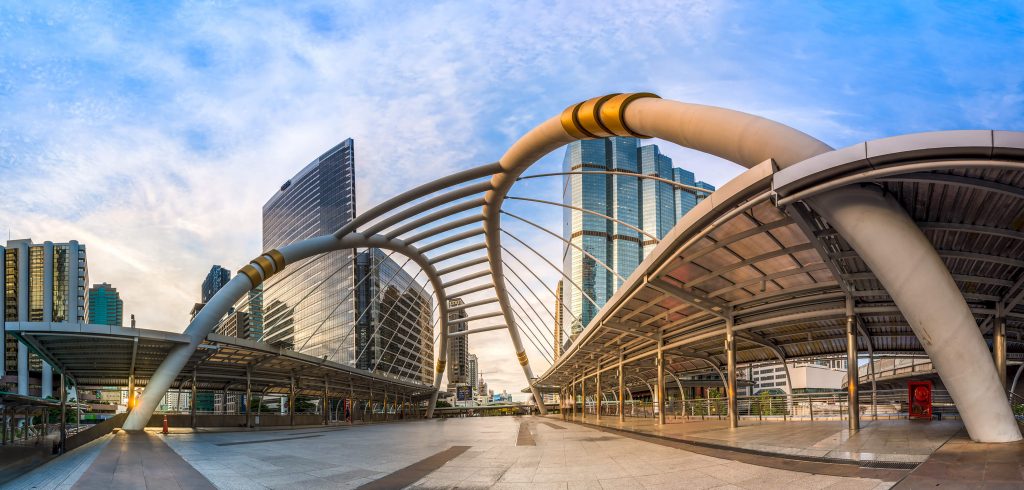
x=479, y=452
x=909, y=441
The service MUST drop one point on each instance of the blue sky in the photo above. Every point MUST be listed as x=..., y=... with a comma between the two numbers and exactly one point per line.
x=153, y=132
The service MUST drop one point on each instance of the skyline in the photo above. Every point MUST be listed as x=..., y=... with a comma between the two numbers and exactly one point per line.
x=176, y=125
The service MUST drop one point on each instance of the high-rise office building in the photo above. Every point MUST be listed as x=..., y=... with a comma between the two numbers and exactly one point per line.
x=309, y=306
x=45, y=282
x=472, y=371
x=458, y=347
x=215, y=279
x=393, y=322
x=245, y=319
x=558, y=333
x=613, y=250
x=105, y=305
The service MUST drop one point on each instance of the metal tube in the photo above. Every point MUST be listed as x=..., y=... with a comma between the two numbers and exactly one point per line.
x=999, y=343
x=192, y=402
x=853, y=400
x=622, y=385
x=597, y=399
x=730, y=389
x=63, y=413
x=660, y=403
x=248, y=396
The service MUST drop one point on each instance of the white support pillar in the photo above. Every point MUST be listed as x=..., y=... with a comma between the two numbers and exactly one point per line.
x=907, y=265
x=730, y=388
x=852, y=375
x=23, y=274
x=46, y=381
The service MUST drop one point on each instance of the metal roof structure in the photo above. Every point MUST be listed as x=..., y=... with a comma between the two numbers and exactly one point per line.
x=756, y=249
x=102, y=356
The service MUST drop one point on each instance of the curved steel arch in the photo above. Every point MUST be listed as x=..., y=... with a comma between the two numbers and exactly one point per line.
x=742, y=138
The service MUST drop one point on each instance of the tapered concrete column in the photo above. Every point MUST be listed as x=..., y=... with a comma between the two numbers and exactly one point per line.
x=730, y=364
x=907, y=265
x=999, y=343
x=852, y=376
x=660, y=389
x=622, y=386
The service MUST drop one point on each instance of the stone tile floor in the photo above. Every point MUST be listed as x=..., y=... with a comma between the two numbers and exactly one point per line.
x=573, y=457
x=881, y=440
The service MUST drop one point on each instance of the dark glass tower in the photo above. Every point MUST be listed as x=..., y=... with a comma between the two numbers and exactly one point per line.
x=393, y=327
x=309, y=306
x=215, y=279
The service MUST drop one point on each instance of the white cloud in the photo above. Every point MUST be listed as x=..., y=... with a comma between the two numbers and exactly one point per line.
x=154, y=136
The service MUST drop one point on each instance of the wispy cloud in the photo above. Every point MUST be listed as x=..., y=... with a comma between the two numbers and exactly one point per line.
x=154, y=132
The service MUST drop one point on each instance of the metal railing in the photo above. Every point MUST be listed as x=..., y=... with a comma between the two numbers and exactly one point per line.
x=831, y=405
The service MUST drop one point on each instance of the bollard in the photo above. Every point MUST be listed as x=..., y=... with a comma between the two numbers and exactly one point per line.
x=165, y=424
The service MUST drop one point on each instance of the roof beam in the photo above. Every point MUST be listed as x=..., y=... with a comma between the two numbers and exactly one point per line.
x=712, y=306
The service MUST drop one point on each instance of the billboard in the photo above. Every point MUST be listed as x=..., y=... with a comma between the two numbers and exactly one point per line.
x=463, y=393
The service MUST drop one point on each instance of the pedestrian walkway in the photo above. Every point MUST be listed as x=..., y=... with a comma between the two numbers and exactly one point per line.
x=878, y=441
x=962, y=463
x=134, y=460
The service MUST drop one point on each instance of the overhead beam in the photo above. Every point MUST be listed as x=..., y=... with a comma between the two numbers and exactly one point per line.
x=712, y=306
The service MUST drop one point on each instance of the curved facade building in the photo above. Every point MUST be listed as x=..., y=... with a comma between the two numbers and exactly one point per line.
x=309, y=306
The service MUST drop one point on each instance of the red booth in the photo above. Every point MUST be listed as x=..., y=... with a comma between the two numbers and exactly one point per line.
x=920, y=394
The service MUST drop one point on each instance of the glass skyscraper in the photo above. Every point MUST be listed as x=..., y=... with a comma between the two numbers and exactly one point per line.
x=45, y=282
x=310, y=306
x=393, y=327
x=215, y=279
x=644, y=204
x=105, y=305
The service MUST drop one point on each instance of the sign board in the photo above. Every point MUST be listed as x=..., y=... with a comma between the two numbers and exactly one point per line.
x=463, y=393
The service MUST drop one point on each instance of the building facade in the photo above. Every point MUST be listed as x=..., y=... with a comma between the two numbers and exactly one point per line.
x=394, y=318
x=646, y=209
x=45, y=282
x=310, y=306
x=807, y=377
x=473, y=371
x=215, y=279
x=245, y=319
x=105, y=305
x=458, y=347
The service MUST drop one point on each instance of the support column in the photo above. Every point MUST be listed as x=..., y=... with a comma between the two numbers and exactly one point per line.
x=622, y=385
x=324, y=406
x=573, y=401
x=46, y=380
x=999, y=343
x=291, y=401
x=63, y=413
x=909, y=268
x=730, y=364
x=23, y=274
x=192, y=401
x=248, y=396
x=131, y=392
x=852, y=376
x=660, y=389
x=597, y=398
x=583, y=395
